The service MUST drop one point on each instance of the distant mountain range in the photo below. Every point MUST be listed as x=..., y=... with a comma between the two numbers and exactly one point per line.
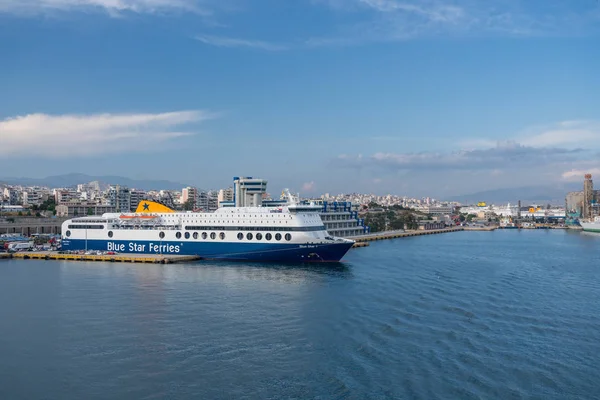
x=552, y=194
x=74, y=179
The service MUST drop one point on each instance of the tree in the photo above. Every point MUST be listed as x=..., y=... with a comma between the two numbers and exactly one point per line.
x=90, y=211
x=462, y=218
x=29, y=213
x=37, y=214
x=397, y=223
x=20, y=214
x=410, y=221
x=75, y=213
x=188, y=205
x=376, y=222
x=48, y=205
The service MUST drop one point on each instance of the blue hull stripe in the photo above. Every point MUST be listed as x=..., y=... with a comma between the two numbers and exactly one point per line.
x=284, y=252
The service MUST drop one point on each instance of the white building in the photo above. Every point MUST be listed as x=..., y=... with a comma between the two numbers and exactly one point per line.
x=438, y=210
x=248, y=192
x=119, y=197
x=189, y=194
x=11, y=196
x=65, y=195
x=136, y=196
x=225, y=195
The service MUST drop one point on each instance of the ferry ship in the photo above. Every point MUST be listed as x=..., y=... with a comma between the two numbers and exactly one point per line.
x=292, y=233
x=591, y=226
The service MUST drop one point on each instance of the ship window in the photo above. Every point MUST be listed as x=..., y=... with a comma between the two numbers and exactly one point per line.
x=268, y=236
x=161, y=235
x=240, y=235
x=204, y=235
x=213, y=235
x=110, y=234
x=222, y=235
x=68, y=233
x=178, y=235
x=195, y=235
x=278, y=236
x=259, y=236
x=187, y=235
x=249, y=236
x=288, y=237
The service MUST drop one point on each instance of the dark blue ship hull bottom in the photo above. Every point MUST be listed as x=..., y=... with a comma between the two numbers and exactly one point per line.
x=280, y=252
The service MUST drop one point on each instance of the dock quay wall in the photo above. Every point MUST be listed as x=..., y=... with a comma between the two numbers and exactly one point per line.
x=125, y=258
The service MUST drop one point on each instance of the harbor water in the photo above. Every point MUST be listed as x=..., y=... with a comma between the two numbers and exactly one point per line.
x=509, y=314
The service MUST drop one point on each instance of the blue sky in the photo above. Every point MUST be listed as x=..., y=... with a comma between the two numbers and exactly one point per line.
x=413, y=97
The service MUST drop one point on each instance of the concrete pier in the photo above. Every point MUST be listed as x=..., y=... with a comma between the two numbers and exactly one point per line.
x=126, y=258
x=401, y=234
x=480, y=228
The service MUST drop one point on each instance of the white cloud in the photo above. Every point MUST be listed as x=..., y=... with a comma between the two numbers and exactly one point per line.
x=576, y=175
x=432, y=11
x=221, y=41
x=578, y=133
x=114, y=7
x=571, y=134
x=308, y=187
x=504, y=155
x=398, y=20
x=472, y=144
x=76, y=135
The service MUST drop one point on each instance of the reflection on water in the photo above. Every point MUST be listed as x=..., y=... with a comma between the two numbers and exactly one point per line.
x=288, y=273
x=494, y=315
x=595, y=235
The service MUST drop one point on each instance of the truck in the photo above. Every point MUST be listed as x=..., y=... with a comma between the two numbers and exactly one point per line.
x=19, y=246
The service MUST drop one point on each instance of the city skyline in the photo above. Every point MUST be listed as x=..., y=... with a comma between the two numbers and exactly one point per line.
x=421, y=98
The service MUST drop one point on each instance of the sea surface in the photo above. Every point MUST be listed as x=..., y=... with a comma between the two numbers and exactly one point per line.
x=465, y=315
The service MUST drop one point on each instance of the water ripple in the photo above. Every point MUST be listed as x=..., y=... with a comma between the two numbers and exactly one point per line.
x=469, y=315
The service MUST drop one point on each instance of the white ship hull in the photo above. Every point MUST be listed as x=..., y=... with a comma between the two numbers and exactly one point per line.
x=591, y=226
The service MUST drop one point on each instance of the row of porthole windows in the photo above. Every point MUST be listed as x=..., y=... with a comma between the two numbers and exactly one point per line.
x=68, y=234
x=195, y=235
x=213, y=236
x=268, y=236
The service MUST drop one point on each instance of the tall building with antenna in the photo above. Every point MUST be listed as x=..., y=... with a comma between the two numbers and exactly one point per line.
x=588, y=196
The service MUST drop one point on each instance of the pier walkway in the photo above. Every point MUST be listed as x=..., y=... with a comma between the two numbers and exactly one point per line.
x=126, y=258
x=401, y=234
